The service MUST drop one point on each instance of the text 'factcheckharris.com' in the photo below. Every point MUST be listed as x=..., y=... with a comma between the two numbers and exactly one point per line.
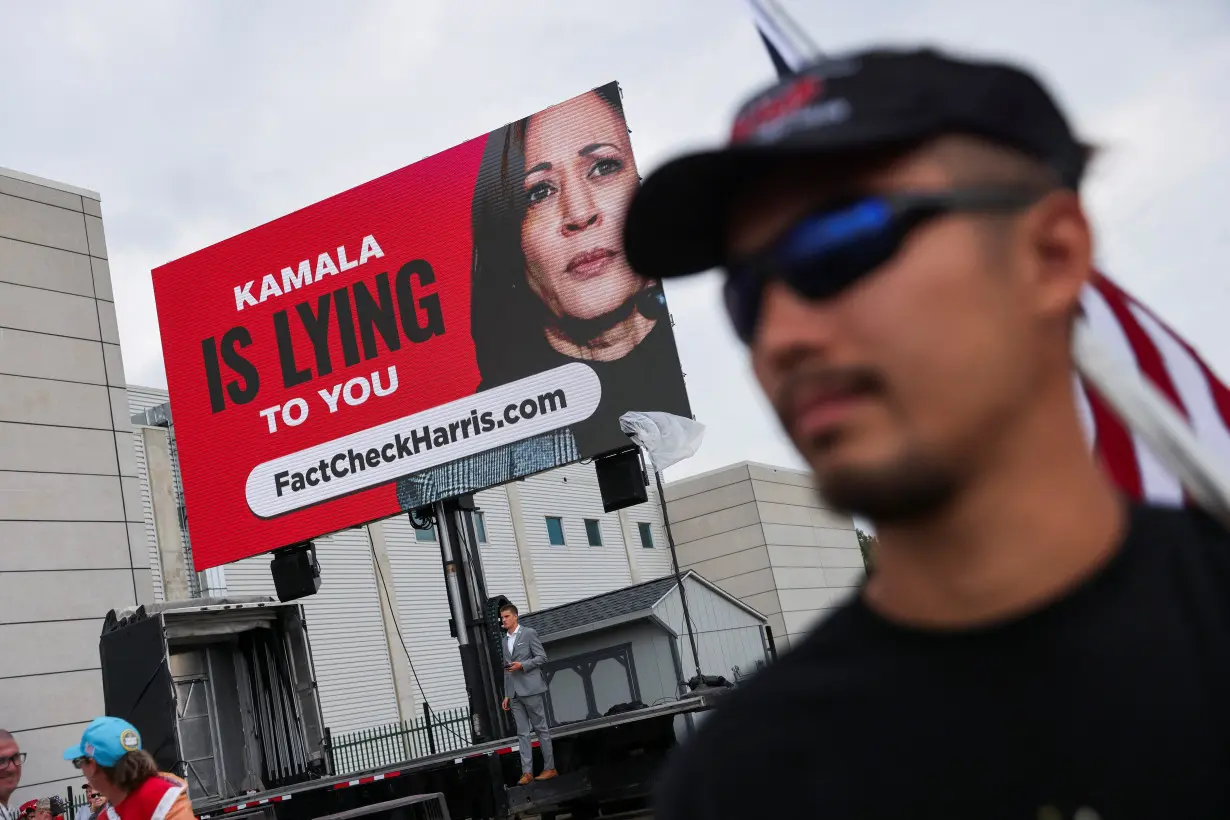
x=381, y=454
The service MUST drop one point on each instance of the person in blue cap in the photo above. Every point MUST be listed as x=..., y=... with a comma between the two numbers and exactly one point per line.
x=114, y=764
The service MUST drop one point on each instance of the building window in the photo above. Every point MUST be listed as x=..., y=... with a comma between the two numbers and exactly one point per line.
x=593, y=532
x=428, y=534
x=646, y=535
x=480, y=527
x=555, y=531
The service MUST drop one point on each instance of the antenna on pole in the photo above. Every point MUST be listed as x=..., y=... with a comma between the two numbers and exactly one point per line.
x=788, y=43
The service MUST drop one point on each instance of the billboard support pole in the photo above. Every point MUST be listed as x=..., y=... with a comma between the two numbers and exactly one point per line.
x=489, y=667
x=457, y=583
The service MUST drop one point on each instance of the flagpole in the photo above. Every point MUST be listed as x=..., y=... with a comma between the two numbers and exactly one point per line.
x=781, y=25
x=1139, y=404
x=1142, y=408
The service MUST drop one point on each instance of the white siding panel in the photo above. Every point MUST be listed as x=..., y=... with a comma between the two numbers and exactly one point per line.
x=423, y=612
x=140, y=399
x=147, y=515
x=575, y=570
x=654, y=562
x=726, y=635
x=501, y=565
x=251, y=575
x=349, y=649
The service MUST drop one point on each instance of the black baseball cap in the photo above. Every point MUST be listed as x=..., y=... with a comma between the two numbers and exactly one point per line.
x=878, y=99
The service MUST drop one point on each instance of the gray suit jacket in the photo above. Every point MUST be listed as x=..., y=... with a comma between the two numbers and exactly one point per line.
x=527, y=650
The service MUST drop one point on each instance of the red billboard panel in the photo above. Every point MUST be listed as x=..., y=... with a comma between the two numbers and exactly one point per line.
x=454, y=325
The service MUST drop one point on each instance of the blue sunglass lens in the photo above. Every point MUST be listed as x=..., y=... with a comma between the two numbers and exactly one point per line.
x=822, y=234
x=818, y=258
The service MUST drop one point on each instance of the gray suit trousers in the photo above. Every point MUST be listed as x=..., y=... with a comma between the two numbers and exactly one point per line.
x=531, y=711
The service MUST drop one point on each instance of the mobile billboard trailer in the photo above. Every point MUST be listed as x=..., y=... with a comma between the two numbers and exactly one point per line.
x=454, y=325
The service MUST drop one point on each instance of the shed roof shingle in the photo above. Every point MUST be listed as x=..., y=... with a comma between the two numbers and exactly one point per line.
x=600, y=608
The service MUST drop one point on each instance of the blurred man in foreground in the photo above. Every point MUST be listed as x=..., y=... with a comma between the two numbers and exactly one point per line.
x=905, y=247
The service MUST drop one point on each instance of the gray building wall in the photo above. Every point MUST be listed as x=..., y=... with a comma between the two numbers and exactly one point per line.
x=72, y=540
x=763, y=534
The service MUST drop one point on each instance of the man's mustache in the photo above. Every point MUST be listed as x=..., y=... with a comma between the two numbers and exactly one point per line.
x=806, y=384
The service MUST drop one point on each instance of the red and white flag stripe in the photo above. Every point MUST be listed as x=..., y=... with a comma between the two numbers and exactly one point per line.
x=1133, y=333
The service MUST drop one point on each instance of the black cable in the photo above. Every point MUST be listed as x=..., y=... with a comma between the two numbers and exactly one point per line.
x=388, y=599
x=424, y=522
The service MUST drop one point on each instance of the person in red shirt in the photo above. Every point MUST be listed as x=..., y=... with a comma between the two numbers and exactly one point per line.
x=113, y=762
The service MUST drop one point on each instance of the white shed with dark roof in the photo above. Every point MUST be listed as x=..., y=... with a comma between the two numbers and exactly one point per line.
x=631, y=645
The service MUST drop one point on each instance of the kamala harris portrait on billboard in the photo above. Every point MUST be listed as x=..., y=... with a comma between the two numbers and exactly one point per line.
x=460, y=323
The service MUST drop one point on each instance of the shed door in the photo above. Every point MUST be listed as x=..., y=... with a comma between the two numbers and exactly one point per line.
x=584, y=687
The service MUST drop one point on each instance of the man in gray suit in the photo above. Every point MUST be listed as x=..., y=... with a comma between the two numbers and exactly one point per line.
x=525, y=693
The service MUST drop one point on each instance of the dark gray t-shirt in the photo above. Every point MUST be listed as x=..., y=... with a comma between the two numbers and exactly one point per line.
x=1111, y=702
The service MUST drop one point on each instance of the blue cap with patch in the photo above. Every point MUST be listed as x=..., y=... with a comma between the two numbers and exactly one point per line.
x=105, y=741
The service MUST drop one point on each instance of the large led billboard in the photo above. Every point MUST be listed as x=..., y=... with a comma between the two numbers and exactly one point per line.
x=454, y=325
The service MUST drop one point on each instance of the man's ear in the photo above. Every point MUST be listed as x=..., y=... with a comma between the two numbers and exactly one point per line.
x=1059, y=250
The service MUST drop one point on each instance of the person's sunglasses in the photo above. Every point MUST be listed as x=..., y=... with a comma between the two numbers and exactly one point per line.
x=14, y=760
x=829, y=250
x=79, y=762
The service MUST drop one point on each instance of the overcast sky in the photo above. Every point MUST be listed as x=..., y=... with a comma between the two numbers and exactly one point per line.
x=198, y=120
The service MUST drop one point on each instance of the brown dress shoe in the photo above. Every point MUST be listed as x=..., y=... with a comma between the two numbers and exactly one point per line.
x=547, y=774
x=526, y=779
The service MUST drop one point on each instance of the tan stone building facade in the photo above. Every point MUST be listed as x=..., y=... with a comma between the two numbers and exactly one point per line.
x=762, y=534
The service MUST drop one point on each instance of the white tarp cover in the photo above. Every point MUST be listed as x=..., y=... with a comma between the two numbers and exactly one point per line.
x=668, y=438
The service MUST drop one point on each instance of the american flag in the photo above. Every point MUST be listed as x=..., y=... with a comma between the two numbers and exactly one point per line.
x=1121, y=324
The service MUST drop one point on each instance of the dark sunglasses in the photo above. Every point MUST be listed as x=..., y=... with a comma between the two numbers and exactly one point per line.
x=829, y=250
x=79, y=762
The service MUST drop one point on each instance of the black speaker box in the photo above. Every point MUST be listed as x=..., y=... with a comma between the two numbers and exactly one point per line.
x=296, y=574
x=621, y=479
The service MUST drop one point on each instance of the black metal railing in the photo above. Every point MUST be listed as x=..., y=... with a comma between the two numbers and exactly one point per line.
x=75, y=800
x=378, y=746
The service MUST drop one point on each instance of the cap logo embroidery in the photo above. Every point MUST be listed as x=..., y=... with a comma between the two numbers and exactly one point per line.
x=88, y=749
x=794, y=96
x=829, y=112
x=129, y=740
